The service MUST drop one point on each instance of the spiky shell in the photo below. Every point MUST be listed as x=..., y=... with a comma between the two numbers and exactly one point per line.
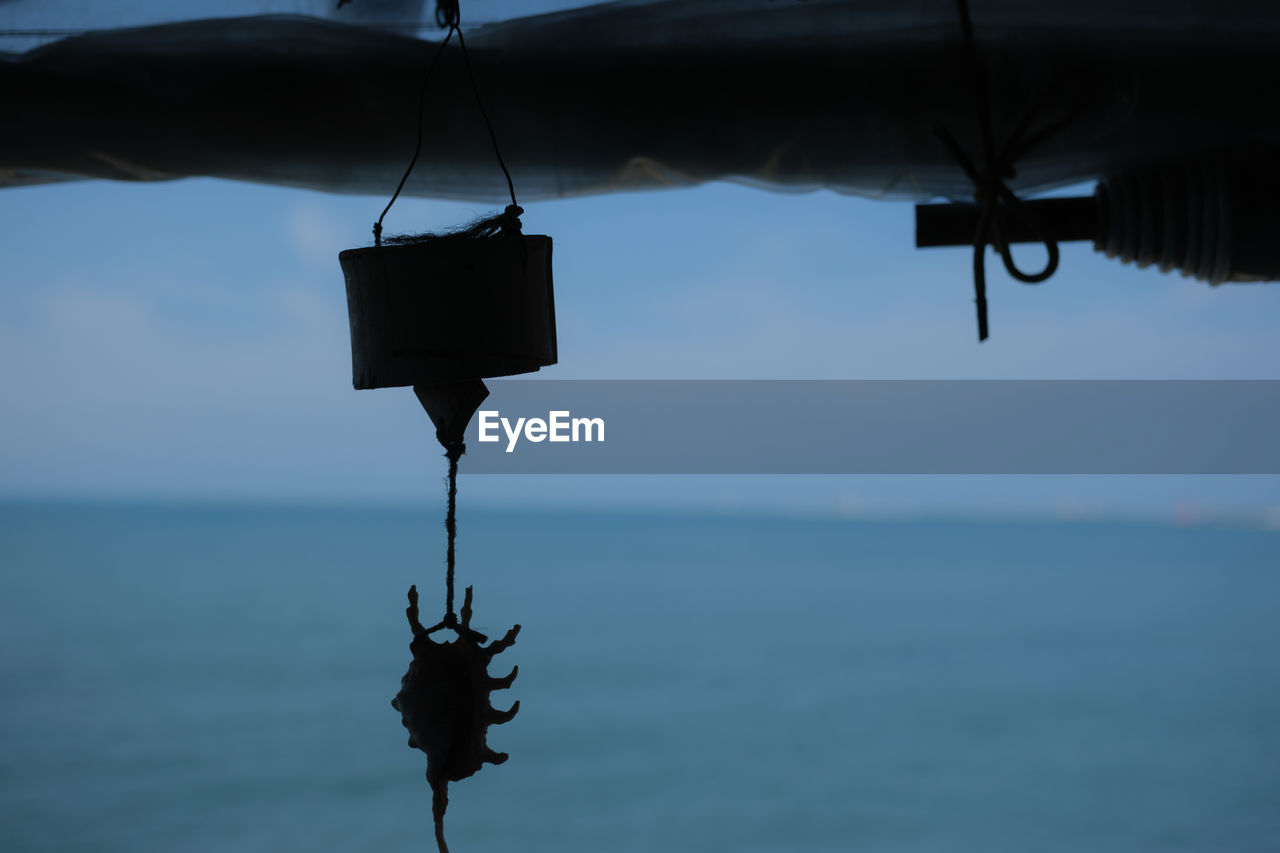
x=444, y=702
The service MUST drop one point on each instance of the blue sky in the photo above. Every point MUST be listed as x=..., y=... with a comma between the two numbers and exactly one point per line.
x=188, y=340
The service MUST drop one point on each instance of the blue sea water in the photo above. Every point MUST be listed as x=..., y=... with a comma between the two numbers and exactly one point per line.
x=199, y=679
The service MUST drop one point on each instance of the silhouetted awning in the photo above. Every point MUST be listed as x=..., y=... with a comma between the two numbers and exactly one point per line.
x=789, y=95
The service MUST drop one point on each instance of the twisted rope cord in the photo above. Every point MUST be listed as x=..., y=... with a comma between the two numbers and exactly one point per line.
x=451, y=526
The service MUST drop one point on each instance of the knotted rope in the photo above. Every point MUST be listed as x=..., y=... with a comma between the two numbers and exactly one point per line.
x=991, y=192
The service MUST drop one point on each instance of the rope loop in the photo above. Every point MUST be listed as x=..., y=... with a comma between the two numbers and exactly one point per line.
x=1010, y=205
x=448, y=15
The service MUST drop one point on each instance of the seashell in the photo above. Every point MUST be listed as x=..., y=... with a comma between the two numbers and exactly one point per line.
x=444, y=702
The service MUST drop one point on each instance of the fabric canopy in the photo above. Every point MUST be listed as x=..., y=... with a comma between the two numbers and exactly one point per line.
x=790, y=95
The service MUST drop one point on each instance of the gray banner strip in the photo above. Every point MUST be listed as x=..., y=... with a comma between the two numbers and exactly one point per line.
x=876, y=427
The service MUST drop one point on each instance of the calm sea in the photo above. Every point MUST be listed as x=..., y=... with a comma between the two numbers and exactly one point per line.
x=195, y=679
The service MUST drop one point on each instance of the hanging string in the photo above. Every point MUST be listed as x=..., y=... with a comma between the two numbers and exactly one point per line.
x=449, y=15
x=453, y=452
x=493, y=137
x=417, y=149
x=991, y=191
x=451, y=525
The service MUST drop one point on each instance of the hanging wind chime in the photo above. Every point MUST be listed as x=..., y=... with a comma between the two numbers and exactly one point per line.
x=441, y=313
